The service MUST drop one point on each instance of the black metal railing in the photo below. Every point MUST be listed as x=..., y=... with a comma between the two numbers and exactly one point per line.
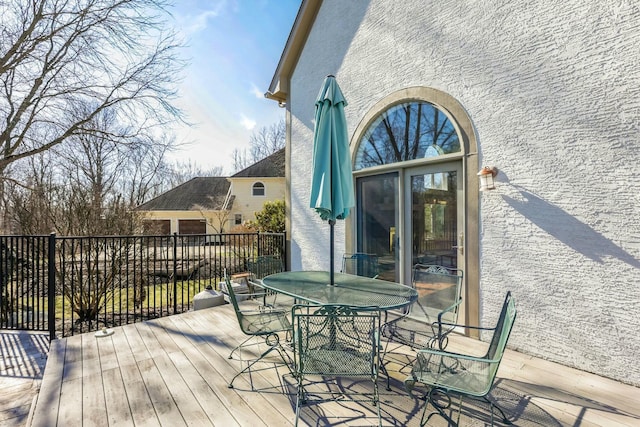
x=68, y=285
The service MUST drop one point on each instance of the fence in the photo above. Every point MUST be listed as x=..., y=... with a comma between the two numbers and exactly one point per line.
x=68, y=285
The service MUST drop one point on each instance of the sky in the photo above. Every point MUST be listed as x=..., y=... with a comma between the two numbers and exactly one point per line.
x=233, y=48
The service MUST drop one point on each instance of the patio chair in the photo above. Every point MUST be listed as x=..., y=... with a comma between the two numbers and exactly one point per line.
x=423, y=325
x=361, y=264
x=447, y=373
x=262, y=266
x=267, y=324
x=265, y=265
x=335, y=341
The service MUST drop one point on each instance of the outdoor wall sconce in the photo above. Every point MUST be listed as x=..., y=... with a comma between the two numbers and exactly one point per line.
x=487, y=178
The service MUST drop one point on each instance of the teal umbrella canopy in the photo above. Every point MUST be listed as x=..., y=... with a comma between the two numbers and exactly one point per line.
x=332, y=184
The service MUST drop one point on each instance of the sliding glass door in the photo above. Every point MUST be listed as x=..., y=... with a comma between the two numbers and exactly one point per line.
x=433, y=215
x=377, y=221
x=411, y=216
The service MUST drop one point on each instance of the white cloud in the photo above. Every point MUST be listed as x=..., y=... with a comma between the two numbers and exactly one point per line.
x=195, y=23
x=256, y=91
x=248, y=123
x=199, y=22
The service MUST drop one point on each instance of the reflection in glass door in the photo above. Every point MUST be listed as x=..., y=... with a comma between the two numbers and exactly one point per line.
x=377, y=221
x=435, y=234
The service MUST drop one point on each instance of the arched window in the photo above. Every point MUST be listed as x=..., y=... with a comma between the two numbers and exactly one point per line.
x=258, y=189
x=407, y=131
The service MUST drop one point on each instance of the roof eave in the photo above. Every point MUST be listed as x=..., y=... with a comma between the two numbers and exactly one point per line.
x=279, y=87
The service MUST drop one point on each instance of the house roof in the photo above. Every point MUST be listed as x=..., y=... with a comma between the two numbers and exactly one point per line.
x=279, y=87
x=210, y=193
x=202, y=193
x=269, y=167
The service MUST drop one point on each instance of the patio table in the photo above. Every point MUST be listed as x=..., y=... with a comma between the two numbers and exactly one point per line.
x=358, y=291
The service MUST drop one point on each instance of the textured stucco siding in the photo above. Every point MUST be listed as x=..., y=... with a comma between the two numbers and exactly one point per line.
x=553, y=90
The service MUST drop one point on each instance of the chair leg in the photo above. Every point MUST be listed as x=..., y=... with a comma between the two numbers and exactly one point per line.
x=439, y=408
x=277, y=347
x=383, y=366
x=239, y=346
x=505, y=420
x=300, y=400
x=376, y=401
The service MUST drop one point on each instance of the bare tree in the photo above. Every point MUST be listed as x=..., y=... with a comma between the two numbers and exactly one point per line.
x=81, y=179
x=29, y=206
x=56, y=55
x=262, y=143
x=181, y=172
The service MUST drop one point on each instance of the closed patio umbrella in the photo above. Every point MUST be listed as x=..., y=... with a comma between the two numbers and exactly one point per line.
x=332, y=183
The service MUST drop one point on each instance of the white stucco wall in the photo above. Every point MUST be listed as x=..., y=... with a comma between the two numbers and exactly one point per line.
x=553, y=90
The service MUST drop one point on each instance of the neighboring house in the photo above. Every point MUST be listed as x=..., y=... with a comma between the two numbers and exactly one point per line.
x=208, y=205
x=547, y=92
x=261, y=182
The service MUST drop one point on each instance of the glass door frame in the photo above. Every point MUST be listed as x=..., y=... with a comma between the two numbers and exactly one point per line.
x=468, y=205
x=407, y=211
x=403, y=244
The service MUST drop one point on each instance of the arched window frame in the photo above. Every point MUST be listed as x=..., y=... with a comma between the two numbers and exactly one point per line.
x=258, y=189
x=412, y=129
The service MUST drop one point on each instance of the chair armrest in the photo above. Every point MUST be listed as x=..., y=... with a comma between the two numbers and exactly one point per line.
x=259, y=291
x=441, y=333
x=263, y=310
x=460, y=325
x=428, y=352
x=449, y=309
x=451, y=326
x=461, y=373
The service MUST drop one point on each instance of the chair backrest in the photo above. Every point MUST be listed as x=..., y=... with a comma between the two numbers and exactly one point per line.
x=265, y=265
x=233, y=299
x=254, y=321
x=361, y=264
x=502, y=330
x=466, y=374
x=336, y=340
x=439, y=291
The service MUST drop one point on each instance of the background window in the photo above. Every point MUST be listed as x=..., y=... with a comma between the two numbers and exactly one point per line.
x=238, y=219
x=258, y=189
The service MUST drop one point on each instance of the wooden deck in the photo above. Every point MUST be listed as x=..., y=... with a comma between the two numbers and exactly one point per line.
x=174, y=371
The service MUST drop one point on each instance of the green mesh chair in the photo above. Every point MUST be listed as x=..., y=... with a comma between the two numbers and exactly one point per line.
x=265, y=265
x=335, y=341
x=450, y=374
x=260, y=267
x=361, y=264
x=424, y=324
x=263, y=323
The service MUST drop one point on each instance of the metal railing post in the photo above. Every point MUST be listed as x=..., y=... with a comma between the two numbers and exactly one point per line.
x=51, y=286
x=259, y=247
x=285, y=251
x=175, y=272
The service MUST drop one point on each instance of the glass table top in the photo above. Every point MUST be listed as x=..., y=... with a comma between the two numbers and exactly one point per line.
x=314, y=287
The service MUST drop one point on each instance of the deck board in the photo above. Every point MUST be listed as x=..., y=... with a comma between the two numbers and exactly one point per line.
x=47, y=406
x=118, y=412
x=94, y=404
x=175, y=371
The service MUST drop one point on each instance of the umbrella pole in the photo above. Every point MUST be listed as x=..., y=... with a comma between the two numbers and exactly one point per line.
x=332, y=223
